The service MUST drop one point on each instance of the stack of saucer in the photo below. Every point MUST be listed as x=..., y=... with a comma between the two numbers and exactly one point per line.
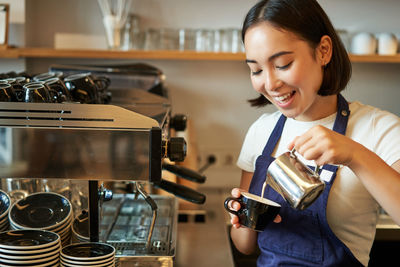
x=43, y=211
x=29, y=248
x=88, y=254
x=5, y=204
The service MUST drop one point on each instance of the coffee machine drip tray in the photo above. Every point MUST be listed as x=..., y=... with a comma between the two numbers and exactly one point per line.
x=125, y=223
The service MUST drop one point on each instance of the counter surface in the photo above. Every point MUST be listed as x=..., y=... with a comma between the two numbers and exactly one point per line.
x=205, y=243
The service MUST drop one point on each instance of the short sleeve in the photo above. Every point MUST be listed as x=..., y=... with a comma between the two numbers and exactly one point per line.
x=387, y=136
x=246, y=159
x=255, y=140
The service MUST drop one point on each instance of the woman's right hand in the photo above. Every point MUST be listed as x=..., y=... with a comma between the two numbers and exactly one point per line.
x=235, y=205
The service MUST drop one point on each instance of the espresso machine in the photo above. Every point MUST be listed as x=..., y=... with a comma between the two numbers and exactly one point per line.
x=115, y=154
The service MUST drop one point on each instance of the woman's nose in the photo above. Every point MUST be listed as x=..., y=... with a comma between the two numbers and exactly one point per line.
x=272, y=83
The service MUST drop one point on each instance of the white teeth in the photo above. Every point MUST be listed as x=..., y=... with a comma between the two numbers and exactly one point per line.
x=282, y=98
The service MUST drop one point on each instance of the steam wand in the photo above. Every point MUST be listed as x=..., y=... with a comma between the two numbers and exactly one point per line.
x=153, y=206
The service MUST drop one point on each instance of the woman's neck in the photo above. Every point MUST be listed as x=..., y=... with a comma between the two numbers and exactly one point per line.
x=323, y=107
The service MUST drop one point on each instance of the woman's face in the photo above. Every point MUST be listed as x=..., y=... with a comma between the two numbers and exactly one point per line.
x=287, y=71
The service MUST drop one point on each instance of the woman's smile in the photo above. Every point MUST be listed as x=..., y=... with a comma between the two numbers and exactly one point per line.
x=284, y=100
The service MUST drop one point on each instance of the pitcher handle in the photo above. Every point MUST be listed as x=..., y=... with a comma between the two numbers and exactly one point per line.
x=293, y=155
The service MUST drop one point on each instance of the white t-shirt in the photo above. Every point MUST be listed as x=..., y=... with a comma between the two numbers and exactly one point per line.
x=352, y=212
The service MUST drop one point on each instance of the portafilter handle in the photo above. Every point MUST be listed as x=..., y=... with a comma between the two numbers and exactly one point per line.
x=181, y=191
x=185, y=173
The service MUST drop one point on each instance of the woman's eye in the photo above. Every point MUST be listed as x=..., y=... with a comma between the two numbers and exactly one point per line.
x=285, y=66
x=255, y=72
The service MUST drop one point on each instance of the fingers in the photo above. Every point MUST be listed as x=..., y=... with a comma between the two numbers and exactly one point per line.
x=235, y=206
x=236, y=225
x=311, y=144
x=235, y=222
x=236, y=192
x=278, y=219
x=300, y=142
x=292, y=144
x=235, y=219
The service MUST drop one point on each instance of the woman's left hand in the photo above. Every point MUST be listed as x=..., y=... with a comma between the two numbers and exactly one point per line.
x=324, y=146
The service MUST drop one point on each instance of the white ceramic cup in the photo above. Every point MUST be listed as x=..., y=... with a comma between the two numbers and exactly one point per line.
x=387, y=44
x=363, y=43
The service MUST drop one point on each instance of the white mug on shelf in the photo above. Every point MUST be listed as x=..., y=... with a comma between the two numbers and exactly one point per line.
x=363, y=43
x=387, y=44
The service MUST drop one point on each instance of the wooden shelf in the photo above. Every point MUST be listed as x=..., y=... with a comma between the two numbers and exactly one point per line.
x=162, y=55
x=117, y=54
x=375, y=58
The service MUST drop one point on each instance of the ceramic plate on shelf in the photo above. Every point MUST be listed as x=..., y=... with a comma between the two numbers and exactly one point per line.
x=28, y=240
x=50, y=263
x=43, y=210
x=31, y=251
x=98, y=263
x=27, y=260
x=40, y=254
x=87, y=251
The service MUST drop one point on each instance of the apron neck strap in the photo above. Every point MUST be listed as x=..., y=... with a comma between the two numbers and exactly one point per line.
x=275, y=136
x=342, y=116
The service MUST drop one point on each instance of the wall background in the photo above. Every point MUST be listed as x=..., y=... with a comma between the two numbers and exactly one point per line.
x=211, y=93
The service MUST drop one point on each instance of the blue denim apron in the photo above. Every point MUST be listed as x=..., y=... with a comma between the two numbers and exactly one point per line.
x=303, y=238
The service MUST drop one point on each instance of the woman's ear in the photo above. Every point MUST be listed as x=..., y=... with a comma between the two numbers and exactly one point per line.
x=324, y=50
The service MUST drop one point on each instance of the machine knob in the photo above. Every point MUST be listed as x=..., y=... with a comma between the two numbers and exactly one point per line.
x=178, y=122
x=175, y=149
x=105, y=194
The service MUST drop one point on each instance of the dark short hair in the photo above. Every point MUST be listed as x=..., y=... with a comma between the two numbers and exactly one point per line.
x=306, y=19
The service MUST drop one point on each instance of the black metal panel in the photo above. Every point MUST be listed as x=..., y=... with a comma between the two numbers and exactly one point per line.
x=155, y=155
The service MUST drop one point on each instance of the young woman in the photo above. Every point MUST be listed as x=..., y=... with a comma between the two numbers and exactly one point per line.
x=298, y=63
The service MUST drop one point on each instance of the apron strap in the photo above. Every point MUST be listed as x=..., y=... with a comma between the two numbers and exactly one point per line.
x=275, y=136
x=343, y=113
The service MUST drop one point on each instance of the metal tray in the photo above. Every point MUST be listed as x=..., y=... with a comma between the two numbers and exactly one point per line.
x=125, y=223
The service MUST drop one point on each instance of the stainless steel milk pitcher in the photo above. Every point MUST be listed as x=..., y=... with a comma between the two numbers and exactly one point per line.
x=298, y=184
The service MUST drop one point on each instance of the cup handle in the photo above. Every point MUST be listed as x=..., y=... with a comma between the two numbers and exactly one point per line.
x=227, y=202
x=54, y=95
x=19, y=95
x=102, y=82
x=58, y=91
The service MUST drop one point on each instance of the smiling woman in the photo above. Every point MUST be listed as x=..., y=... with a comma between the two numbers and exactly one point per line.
x=337, y=70
x=280, y=63
x=298, y=63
